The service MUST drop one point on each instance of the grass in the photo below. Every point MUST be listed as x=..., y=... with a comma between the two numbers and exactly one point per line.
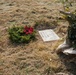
x=38, y=57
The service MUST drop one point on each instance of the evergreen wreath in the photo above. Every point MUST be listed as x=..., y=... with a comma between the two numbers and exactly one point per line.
x=21, y=34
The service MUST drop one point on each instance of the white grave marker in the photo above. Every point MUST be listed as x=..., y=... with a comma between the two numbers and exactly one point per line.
x=48, y=35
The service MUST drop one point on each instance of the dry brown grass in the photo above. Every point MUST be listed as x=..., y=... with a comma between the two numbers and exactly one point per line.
x=38, y=57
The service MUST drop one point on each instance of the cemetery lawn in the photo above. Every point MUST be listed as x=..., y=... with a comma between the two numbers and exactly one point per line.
x=36, y=57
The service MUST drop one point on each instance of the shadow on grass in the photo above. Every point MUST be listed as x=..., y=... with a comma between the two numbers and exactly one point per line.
x=15, y=44
x=69, y=61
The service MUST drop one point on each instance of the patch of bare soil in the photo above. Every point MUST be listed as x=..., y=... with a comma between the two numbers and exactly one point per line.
x=42, y=25
x=37, y=57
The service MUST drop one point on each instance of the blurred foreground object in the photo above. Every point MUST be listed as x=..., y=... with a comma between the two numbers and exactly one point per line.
x=69, y=47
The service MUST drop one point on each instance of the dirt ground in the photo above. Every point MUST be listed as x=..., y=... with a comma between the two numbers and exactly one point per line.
x=37, y=57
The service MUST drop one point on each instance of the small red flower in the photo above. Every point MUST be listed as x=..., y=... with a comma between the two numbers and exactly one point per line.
x=28, y=30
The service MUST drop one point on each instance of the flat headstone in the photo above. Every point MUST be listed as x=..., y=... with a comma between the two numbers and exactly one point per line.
x=48, y=35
